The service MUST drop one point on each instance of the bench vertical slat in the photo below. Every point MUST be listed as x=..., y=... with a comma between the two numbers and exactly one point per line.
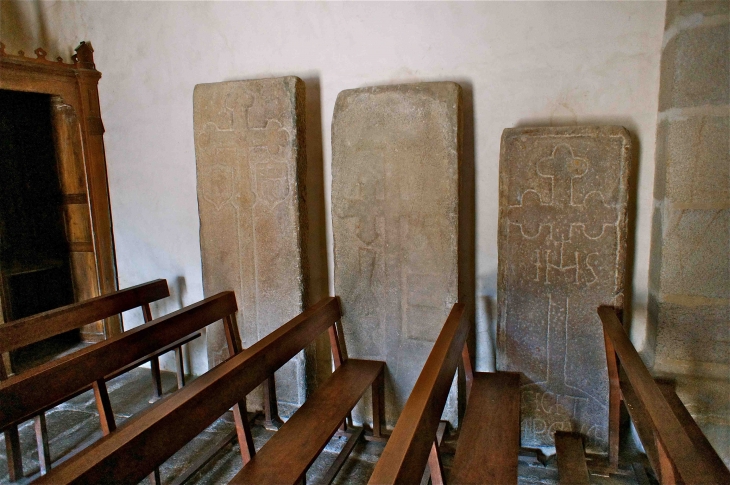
x=378, y=406
x=180, y=367
x=690, y=463
x=12, y=441
x=406, y=454
x=12, y=451
x=572, y=467
x=104, y=406
x=614, y=403
x=155, y=361
x=489, y=440
x=642, y=423
x=151, y=437
x=435, y=466
x=240, y=416
x=41, y=437
x=338, y=358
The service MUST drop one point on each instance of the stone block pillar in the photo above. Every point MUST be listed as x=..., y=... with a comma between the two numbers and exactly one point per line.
x=689, y=283
x=690, y=256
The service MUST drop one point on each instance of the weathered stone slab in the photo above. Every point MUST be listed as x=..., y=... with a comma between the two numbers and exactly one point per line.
x=395, y=169
x=249, y=146
x=562, y=253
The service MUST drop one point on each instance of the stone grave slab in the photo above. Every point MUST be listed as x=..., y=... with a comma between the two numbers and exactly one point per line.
x=251, y=160
x=562, y=252
x=395, y=169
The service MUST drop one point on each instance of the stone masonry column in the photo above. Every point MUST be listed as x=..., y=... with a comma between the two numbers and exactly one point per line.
x=689, y=282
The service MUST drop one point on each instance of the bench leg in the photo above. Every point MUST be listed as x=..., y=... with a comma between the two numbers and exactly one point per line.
x=378, y=392
x=41, y=437
x=104, y=406
x=243, y=430
x=180, y=367
x=156, y=377
x=668, y=474
x=12, y=449
x=271, y=409
x=155, y=477
x=435, y=466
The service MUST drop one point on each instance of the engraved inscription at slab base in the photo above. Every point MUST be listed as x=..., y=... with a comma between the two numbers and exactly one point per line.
x=249, y=148
x=395, y=165
x=562, y=253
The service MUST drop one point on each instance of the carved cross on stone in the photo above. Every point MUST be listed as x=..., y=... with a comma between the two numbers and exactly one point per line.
x=562, y=212
x=239, y=132
x=367, y=208
x=557, y=350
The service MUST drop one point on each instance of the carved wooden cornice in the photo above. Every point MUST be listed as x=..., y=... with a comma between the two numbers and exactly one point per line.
x=83, y=59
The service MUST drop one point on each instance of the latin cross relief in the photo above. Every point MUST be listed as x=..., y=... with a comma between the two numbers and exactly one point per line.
x=239, y=132
x=557, y=352
x=366, y=208
x=562, y=212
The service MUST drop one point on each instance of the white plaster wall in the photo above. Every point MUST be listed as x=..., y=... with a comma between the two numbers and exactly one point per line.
x=522, y=63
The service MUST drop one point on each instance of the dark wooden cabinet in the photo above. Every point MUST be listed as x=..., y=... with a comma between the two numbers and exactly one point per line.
x=68, y=243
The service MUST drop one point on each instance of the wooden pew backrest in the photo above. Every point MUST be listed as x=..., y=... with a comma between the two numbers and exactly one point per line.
x=154, y=435
x=35, y=328
x=26, y=394
x=692, y=465
x=407, y=452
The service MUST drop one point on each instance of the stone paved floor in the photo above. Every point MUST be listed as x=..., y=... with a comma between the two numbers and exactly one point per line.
x=74, y=424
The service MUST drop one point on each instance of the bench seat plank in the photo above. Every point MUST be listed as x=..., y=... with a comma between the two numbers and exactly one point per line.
x=286, y=457
x=572, y=466
x=489, y=443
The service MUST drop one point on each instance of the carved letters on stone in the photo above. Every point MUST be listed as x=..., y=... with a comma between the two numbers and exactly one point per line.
x=395, y=182
x=250, y=156
x=562, y=252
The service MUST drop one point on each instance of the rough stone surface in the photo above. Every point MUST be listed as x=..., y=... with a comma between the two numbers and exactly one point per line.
x=693, y=332
x=696, y=253
x=249, y=146
x=395, y=169
x=562, y=251
x=697, y=152
x=695, y=68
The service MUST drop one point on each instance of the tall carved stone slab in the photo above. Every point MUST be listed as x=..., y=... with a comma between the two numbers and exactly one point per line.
x=395, y=166
x=249, y=146
x=562, y=253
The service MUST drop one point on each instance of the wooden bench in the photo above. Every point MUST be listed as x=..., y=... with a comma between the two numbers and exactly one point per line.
x=676, y=448
x=488, y=445
x=26, y=331
x=150, y=438
x=50, y=384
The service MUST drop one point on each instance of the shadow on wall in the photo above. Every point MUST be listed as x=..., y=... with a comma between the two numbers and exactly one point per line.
x=318, y=366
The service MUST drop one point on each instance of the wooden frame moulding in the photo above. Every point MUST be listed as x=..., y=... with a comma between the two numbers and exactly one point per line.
x=78, y=137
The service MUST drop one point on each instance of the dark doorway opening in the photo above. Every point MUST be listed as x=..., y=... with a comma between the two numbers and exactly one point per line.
x=35, y=271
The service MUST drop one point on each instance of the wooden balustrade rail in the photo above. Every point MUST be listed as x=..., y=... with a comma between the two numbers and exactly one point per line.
x=148, y=439
x=26, y=394
x=35, y=328
x=692, y=466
